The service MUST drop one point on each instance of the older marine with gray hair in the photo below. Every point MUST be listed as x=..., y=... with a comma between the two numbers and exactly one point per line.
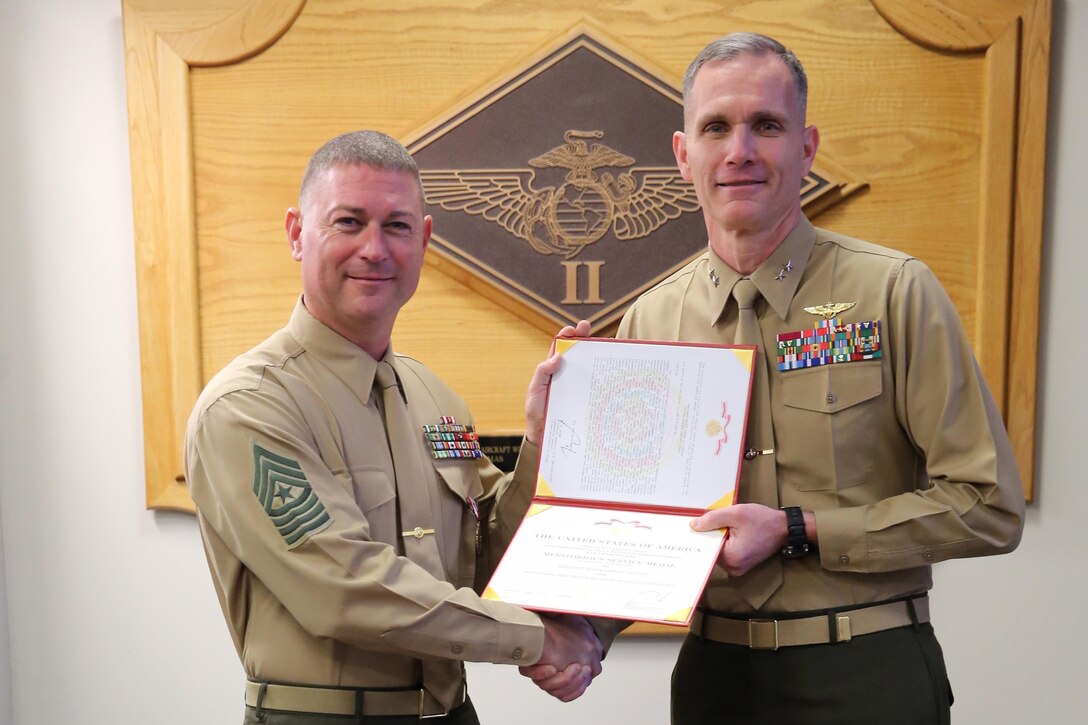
x=874, y=447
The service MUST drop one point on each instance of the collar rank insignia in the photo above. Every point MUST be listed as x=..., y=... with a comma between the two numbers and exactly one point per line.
x=829, y=342
x=450, y=439
x=831, y=309
x=285, y=494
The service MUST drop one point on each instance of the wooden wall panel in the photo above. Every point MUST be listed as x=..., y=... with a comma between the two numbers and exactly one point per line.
x=929, y=102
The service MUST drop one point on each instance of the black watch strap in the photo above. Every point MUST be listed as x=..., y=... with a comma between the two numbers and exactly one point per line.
x=797, y=543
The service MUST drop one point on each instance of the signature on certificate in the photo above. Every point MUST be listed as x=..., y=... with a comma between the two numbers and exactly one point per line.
x=648, y=600
x=567, y=437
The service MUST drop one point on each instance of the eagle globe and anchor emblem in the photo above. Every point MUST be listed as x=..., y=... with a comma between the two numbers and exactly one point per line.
x=566, y=219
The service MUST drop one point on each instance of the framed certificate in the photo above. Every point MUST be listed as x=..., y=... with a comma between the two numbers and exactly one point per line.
x=639, y=438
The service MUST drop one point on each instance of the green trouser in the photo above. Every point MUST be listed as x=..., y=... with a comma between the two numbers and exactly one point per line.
x=895, y=677
x=463, y=715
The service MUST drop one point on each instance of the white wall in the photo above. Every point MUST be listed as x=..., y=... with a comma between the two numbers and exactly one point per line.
x=8, y=201
x=112, y=616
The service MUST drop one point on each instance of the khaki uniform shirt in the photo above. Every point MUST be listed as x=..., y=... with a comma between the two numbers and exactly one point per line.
x=332, y=600
x=904, y=459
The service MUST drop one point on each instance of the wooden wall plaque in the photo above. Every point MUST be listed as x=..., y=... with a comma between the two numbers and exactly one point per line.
x=939, y=105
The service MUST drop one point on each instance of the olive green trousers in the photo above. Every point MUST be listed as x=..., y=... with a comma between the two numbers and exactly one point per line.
x=895, y=677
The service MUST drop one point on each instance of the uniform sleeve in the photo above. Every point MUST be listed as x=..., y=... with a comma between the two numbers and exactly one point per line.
x=507, y=502
x=628, y=329
x=969, y=501
x=276, y=507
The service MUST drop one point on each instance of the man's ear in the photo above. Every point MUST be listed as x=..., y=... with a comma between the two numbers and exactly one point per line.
x=810, y=144
x=428, y=226
x=680, y=151
x=293, y=225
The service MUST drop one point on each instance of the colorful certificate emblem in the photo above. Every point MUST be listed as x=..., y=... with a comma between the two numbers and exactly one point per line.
x=829, y=342
x=450, y=439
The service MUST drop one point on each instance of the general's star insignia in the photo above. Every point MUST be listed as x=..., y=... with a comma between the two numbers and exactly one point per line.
x=281, y=487
x=831, y=309
x=714, y=277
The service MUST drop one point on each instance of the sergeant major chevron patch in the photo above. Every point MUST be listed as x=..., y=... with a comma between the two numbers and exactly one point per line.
x=286, y=496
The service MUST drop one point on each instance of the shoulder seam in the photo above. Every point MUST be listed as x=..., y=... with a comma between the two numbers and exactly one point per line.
x=869, y=248
x=675, y=278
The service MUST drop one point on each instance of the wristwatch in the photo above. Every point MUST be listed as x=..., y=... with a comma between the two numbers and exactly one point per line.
x=797, y=543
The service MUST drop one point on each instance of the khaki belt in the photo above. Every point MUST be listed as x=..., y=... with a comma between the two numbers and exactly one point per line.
x=835, y=626
x=345, y=701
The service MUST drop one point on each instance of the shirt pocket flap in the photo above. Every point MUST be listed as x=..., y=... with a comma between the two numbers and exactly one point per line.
x=831, y=388
x=373, y=488
x=461, y=477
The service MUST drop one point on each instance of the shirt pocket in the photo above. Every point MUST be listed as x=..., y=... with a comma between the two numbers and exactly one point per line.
x=376, y=495
x=832, y=413
x=461, y=479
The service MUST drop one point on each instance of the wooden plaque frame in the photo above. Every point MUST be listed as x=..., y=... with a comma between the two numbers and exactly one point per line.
x=998, y=51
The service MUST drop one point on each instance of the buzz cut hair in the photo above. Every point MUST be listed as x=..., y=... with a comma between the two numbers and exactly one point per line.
x=360, y=148
x=729, y=47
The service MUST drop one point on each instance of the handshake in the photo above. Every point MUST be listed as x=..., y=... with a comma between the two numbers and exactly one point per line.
x=571, y=657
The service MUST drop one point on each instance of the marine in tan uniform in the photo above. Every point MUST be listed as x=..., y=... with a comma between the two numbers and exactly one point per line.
x=881, y=457
x=343, y=543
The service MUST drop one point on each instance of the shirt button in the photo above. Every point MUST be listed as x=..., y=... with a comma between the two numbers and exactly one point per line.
x=844, y=559
x=928, y=556
x=830, y=397
x=517, y=653
x=457, y=649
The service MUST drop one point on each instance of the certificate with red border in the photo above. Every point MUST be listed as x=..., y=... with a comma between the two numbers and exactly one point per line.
x=639, y=438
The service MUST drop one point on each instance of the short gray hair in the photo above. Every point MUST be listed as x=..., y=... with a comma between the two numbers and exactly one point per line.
x=731, y=46
x=360, y=148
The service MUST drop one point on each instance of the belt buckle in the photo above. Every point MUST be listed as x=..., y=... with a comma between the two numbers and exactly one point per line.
x=842, y=628
x=757, y=632
x=422, y=702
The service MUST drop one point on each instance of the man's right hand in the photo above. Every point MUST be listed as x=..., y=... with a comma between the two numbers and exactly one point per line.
x=571, y=658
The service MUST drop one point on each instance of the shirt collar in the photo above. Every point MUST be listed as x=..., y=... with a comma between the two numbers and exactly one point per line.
x=777, y=278
x=341, y=356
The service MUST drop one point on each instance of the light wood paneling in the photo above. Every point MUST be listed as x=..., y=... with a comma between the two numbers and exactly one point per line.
x=939, y=106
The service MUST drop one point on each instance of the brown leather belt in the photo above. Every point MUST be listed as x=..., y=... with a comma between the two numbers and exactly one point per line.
x=345, y=700
x=834, y=626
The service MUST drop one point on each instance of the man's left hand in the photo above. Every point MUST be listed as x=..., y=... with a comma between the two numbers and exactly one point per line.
x=756, y=532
